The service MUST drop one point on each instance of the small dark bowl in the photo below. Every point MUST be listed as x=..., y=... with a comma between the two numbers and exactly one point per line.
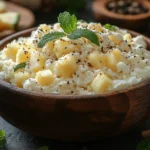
x=104, y=15
x=74, y=118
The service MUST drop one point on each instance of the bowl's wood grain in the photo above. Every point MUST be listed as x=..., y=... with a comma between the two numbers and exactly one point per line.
x=74, y=118
x=102, y=14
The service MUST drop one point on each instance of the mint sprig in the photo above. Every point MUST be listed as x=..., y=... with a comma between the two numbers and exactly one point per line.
x=19, y=66
x=110, y=27
x=90, y=35
x=67, y=22
x=50, y=37
x=2, y=138
x=144, y=144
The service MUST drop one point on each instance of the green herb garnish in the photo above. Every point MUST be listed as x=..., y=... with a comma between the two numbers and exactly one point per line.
x=144, y=144
x=110, y=27
x=19, y=66
x=69, y=24
x=43, y=148
x=2, y=138
x=84, y=33
x=50, y=37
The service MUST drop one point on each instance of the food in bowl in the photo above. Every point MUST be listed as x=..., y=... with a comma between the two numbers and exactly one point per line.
x=127, y=7
x=75, y=57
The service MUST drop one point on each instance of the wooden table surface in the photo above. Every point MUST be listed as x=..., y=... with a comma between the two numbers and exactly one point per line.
x=19, y=140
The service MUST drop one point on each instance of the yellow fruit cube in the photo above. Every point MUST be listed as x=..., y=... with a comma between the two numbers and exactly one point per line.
x=19, y=78
x=45, y=28
x=37, y=61
x=127, y=37
x=97, y=27
x=117, y=54
x=22, y=55
x=64, y=46
x=115, y=38
x=66, y=66
x=101, y=83
x=44, y=77
x=48, y=48
x=11, y=51
x=97, y=60
x=113, y=58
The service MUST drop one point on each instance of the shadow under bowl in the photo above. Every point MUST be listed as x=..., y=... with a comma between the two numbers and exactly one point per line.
x=74, y=118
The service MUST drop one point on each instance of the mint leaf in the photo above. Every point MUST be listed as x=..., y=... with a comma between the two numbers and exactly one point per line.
x=67, y=22
x=19, y=66
x=2, y=138
x=84, y=33
x=144, y=144
x=110, y=27
x=43, y=148
x=50, y=37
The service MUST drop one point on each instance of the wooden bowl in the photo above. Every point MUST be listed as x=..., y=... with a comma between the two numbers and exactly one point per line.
x=102, y=14
x=74, y=118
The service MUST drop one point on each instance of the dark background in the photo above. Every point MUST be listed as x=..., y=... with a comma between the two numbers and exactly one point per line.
x=18, y=140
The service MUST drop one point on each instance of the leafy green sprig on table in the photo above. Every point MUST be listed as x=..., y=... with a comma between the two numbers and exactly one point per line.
x=68, y=23
x=144, y=144
x=2, y=138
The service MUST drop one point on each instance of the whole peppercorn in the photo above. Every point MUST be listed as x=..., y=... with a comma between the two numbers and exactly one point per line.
x=128, y=7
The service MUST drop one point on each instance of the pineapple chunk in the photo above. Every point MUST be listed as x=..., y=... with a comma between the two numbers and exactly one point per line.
x=37, y=61
x=66, y=66
x=44, y=77
x=97, y=27
x=115, y=38
x=109, y=60
x=96, y=59
x=113, y=58
x=11, y=51
x=45, y=28
x=22, y=56
x=127, y=37
x=101, y=83
x=117, y=54
x=48, y=48
x=63, y=47
x=19, y=78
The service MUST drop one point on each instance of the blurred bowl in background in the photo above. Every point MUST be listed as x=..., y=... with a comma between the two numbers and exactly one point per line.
x=129, y=21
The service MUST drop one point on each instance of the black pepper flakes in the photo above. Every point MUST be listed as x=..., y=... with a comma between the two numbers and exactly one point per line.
x=89, y=65
x=25, y=52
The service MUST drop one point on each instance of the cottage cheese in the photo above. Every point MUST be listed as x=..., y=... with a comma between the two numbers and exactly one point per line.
x=76, y=66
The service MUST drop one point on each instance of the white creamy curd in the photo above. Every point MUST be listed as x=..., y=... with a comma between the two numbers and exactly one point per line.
x=76, y=66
